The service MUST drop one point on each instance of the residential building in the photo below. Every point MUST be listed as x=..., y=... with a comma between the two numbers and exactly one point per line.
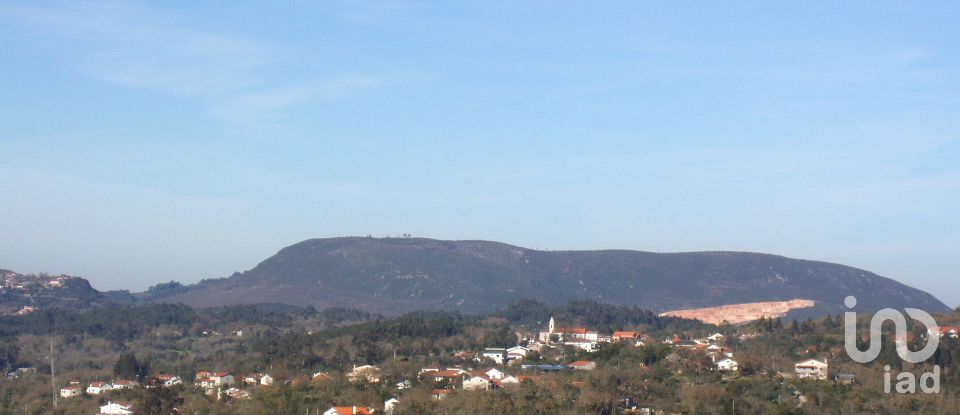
x=349, y=410
x=812, y=369
x=365, y=373
x=70, y=391
x=583, y=365
x=728, y=365
x=97, y=388
x=499, y=356
x=113, y=408
x=390, y=406
x=123, y=384
x=477, y=383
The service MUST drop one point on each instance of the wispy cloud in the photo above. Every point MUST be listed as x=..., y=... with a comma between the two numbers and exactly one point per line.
x=270, y=104
x=139, y=47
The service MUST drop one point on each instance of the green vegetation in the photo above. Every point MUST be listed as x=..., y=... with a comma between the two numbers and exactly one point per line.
x=293, y=344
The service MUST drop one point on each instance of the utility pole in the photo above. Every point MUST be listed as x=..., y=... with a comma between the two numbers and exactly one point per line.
x=53, y=376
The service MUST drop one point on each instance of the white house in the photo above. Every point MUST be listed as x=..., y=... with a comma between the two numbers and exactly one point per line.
x=266, y=380
x=390, y=406
x=812, y=369
x=222, y=378
x=97, y=388
x=493, y=373
x=508, y=380
x=728, y=365
x=70, y=391
x=123, y=384
x=237, y=393
x=113, y=408
x=170, y=381
x=517, y=353
x=499, y=356
x=365, y=373
x=477, y=383
x=585, y=344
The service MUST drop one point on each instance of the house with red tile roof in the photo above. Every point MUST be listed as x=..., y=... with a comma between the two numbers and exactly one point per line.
x=583, y=365
x=348, y=410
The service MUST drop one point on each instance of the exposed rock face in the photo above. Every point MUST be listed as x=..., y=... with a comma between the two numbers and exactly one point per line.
x=741, y=313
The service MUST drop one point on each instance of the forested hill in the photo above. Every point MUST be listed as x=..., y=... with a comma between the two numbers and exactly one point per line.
x=396, y=275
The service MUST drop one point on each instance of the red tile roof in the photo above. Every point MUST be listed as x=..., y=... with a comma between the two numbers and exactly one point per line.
x=350, y=410
x=579, y=363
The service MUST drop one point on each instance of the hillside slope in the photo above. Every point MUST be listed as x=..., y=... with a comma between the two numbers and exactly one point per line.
x=395, y=275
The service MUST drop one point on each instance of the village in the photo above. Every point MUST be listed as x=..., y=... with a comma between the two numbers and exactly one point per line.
x=488, y=369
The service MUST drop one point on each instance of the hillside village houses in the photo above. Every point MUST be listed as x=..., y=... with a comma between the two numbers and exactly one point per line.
x=445, y=380
x=211, y=381
x=570, y=336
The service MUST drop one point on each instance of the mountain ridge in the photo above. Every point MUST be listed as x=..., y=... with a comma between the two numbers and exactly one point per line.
x=395, y=275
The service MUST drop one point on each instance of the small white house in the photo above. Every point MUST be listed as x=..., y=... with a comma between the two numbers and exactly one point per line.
x=171, y=381
x=70, y=391
x=493, y=373
x=728, y=365
x=113, y=408
x=812, y=369
x=517, y=353
x=266, y=380
x=586, y=345
x=123, y=384
x=390, y=406
x=97, y=388
x=499, y=356
x=477, y=383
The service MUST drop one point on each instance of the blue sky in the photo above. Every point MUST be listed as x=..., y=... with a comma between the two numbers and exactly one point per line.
x=143, y=142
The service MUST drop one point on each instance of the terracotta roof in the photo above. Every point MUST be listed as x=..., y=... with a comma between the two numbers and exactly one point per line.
x=350, y=410
x=580, y=363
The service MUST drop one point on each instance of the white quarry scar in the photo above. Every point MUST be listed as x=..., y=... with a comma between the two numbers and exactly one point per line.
x=740, y=313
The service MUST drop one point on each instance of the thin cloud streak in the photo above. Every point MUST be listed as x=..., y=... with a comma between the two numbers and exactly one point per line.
x=143, y=48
